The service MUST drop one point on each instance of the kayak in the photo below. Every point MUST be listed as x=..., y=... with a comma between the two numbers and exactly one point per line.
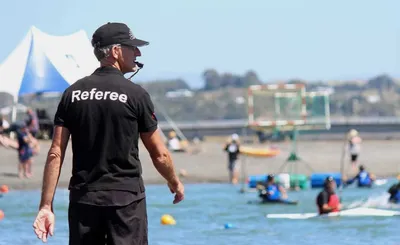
x=355, y=212
x=256, y=152
x=283, y=202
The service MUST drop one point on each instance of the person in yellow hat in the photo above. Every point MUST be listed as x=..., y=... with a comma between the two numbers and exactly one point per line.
x=394, y=192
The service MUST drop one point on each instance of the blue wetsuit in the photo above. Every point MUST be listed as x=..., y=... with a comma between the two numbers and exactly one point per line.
x=271, y=193
x=362, y=178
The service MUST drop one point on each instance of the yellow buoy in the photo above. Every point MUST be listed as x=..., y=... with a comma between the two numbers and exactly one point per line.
x=167, y=219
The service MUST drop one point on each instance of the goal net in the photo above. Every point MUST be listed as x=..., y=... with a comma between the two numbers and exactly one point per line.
x=287, y=105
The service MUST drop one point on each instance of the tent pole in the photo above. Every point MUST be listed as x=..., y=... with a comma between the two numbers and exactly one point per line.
x=14, y=109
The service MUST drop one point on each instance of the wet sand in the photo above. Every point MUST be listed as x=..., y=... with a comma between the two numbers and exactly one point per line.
x=210, y=165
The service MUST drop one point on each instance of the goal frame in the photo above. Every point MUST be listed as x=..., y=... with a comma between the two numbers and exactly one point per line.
x=285, y=90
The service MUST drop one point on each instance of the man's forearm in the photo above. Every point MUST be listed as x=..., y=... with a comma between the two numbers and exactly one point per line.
x=51, y=175
x=165, y=167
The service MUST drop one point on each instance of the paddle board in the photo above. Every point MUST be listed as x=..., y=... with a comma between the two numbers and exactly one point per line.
x=349, y=212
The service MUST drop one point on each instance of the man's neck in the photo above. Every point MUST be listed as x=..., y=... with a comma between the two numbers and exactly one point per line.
x=107, y=63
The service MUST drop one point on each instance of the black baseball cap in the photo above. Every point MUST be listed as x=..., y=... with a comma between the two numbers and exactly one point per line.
x=115, y=33
x=329, y=179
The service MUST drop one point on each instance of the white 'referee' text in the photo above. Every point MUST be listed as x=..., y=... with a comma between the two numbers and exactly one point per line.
x=78, y=95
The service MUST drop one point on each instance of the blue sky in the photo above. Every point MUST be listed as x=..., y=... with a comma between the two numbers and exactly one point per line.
x=306, y=39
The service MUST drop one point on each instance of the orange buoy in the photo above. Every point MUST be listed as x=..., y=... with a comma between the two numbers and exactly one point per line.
x=1, y=214
x=3, y=189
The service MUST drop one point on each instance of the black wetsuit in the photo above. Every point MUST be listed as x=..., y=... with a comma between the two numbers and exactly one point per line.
x=394, y=192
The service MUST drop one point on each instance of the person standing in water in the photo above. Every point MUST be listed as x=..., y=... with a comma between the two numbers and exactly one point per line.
x=354, y=141
x=233, y=150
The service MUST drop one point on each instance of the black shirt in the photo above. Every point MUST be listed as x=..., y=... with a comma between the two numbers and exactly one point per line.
x=105, y=112
x=323, y=198
x=393, y=190
x=233, y=149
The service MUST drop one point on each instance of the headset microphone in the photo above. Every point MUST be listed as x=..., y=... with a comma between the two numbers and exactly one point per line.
x=138, y=67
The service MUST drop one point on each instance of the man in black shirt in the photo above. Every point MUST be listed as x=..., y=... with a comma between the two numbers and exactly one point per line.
x=105, y=114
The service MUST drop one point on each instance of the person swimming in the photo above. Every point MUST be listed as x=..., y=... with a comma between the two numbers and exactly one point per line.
x=394, y=192
x=363, y=178
x=327, y=200
x=272, y=192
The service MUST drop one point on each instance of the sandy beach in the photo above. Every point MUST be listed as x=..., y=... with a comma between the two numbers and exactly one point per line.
x=210, y=165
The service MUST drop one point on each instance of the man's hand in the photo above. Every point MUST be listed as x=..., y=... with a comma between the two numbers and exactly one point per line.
x=179, y=191
x=44, y=224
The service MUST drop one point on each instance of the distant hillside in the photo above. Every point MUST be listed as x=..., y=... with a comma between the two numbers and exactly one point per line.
x=223, y=96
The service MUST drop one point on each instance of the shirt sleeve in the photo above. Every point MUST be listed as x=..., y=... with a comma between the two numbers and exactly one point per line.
x=60, y=118
x=147, y=120
x=322, y=199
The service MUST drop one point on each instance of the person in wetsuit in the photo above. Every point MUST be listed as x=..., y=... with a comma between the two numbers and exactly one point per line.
x=270, y=191
x=394, y=192
x=327, y=200
x=363, y=178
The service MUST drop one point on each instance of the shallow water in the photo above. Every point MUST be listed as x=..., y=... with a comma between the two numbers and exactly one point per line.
x=207, y=207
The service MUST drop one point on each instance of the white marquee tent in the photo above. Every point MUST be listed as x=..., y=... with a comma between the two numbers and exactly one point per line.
x=46, y=63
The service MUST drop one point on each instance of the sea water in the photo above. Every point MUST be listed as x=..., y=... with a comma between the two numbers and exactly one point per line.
x=219, y=214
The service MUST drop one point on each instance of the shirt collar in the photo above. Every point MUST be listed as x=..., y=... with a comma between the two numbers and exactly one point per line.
x=107, y=70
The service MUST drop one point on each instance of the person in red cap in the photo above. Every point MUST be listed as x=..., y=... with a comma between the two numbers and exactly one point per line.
x=105, y=114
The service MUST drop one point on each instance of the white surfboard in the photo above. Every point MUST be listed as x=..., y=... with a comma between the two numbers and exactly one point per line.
x=350, y=212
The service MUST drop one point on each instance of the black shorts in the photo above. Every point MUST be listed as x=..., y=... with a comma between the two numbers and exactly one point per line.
x=232, y=164
x=89, y=225
x=354, y=157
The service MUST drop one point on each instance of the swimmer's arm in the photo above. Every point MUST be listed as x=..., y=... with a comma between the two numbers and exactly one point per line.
x=350, y=181
x=52, y=169
x=160, y=155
